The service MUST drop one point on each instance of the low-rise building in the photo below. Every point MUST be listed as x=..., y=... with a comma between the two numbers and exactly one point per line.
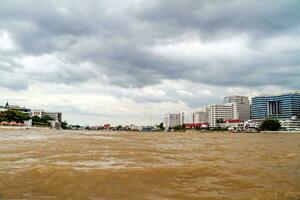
x=133, y=127
x=196, y=125
x=38, y=113
x=16, y=108
x=106, y=126
x=2, y=109
x=251, y=124
x=292, y=124
x=233, y=125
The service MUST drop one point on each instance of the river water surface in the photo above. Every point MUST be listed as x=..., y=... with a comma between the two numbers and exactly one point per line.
x=83, y=165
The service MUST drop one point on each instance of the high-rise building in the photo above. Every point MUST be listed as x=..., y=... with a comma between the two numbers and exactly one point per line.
x=283, y=106
x=199, y=117
x=171, y=120
x=242, y=106
x=217, y=113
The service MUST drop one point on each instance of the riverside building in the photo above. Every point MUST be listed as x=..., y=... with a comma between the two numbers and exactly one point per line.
x=292, y=124
x=38, y=113
x=16, y=108
x=199, y=117
x=282, y=107
x=56, y=116
x=242, y=106
x=221, y=112
x=171, y=120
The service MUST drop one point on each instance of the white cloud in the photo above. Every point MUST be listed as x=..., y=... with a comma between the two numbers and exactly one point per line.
x=6, y=42
x=192, y=47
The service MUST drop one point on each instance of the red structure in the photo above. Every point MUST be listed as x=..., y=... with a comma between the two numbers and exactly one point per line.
x=196, y=125
x=106, y=126
x=11, y=124
x=232, y=121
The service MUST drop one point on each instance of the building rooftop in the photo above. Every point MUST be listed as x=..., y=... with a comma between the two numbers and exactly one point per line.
x=236, y=96
x=281, y=94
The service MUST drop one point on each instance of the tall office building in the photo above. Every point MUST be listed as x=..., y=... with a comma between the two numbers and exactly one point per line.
x=283, y=106
x=242, y=106
x=199, y=117
x=221, y=112
x=171, y=120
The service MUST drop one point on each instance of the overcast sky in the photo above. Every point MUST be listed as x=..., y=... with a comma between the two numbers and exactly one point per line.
x=129, y=61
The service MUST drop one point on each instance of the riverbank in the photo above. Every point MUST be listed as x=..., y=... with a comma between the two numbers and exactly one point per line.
x=141, y=132
x=24, y=128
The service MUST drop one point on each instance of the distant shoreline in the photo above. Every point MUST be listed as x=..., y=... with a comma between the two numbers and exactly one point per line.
x=140, y=132
x=24, y=128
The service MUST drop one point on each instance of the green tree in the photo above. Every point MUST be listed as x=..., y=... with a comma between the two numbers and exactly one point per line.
x=219, y=122
x=119, y=127
x=13, y=116
x=161, y=126
x=41, y=121
x=179, y=128
x=46, y=118
x=64, y=125
x=36, y=119
x=270, y=125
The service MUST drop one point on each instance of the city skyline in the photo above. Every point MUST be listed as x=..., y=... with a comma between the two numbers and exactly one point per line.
x=126, y=62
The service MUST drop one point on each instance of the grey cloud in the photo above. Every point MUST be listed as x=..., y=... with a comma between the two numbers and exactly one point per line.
x=116, y=43
x=213, y=18
x=12, y=82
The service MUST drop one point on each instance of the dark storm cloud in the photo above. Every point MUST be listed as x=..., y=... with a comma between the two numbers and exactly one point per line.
x=213, y=18
x=117, y=40
x=42, y=27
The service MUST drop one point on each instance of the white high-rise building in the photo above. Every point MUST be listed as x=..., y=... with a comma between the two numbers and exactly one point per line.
x=171, y=120
x=242, y=106
x=220, y=112
x=236, y=115
x=199, y=117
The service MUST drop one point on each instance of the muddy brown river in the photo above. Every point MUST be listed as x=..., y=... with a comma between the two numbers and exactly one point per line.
x=130, y=165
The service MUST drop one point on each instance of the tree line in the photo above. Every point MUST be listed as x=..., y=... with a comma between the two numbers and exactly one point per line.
x=20, y=117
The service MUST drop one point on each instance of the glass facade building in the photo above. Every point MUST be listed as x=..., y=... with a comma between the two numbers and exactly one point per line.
x=282, y=106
